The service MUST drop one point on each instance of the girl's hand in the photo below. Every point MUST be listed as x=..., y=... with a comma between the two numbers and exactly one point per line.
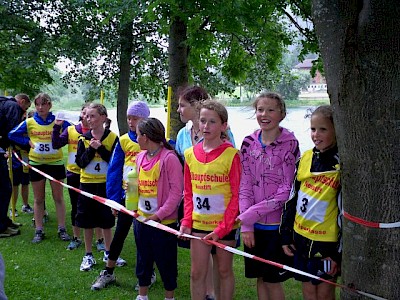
x=32, y=145
x=248, y=239
x=153, y=218
x=184, y=230
x=59, y=122
x=125, y=185
x=114, y=212
x=334, y=267
x=288, y=249
x=211, y=236
x=95, y=144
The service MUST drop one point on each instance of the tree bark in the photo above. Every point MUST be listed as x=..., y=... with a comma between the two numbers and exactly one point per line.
x=178, y=68
x=126, y=47
x=360, y=47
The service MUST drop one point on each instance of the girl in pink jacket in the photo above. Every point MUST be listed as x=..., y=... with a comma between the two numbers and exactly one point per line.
x=268, y=159
x=160, y=182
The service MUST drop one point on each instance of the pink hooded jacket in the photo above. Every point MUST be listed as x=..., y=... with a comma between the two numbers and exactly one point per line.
x=267, y=178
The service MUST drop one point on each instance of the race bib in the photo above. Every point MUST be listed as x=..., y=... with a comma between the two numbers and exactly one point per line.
x=208, y=204
x=71, y=158
x=310, y=208
x=148, y=205
x=44, y=148
x=97, y=168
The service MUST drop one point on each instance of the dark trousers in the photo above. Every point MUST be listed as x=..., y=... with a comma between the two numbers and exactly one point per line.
x=5, y=193
x=124, y=224
x=155, y=245
x=73, y=180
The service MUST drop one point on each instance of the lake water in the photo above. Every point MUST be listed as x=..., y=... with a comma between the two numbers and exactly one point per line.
x=242, y=122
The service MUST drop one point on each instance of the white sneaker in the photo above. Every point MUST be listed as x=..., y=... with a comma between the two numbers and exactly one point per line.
x=16, y=213
x=27, y=209
x=103, y=280
x=119, y=263
x=88, y=262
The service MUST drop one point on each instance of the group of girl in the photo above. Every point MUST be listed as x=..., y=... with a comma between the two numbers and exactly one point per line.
x=222, y=189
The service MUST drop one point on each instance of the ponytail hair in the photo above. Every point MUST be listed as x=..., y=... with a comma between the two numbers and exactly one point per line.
x=154, y=131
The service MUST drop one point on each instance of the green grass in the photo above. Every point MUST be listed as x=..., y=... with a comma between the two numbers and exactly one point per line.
x=49, y=271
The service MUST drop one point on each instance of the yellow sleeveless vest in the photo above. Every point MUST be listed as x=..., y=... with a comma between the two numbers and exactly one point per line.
x=211, y=188
x=147, y=182
x=317, y=209
x=40, y=135
x=96, y=170
x=131, y=150
x=73, y=137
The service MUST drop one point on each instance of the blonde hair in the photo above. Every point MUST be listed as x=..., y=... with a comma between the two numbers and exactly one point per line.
x=272, y=95
x=220, y=109
x=101, y=109
x=43, y=98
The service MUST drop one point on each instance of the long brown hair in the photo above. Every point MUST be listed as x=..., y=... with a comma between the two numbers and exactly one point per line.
x=154, y=131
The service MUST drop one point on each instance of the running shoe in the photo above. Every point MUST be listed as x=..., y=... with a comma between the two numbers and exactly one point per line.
x=88, y=262
x=63, y=235
x=75, y=243
x=101, y=247
x=16, y=213
x=9, y=232
x=119, y=263
x=39, y=236
x=103, y=280
x=27, y=209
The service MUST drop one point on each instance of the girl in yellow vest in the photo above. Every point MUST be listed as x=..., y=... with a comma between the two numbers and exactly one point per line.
x=122, y=162
x=36, y=132
x=310, y=225
x=70, y=137
x=94, y=152
x=211, y=194
x=160, y=181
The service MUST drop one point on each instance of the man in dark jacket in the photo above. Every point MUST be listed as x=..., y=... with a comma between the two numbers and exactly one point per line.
x=11, y=113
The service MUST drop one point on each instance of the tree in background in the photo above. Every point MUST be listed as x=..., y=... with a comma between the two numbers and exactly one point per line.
x=360, y=46
x=217, y=44
x=26, y=50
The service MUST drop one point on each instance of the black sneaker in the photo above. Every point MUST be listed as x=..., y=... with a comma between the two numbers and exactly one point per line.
x=39, y=236
x=9, y=232
x=63, y=235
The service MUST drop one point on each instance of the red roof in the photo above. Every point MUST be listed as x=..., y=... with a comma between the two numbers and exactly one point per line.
x=306, y=64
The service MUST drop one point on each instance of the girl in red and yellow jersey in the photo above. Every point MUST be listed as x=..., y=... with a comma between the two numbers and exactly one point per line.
x=310, y=225
x=160, y=182
x=94, y=152
x=211, y=195
x=36, y=132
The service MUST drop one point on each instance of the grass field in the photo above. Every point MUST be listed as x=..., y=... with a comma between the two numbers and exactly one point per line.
x=49, y=271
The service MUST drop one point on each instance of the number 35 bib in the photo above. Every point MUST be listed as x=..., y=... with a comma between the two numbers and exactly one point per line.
x=40, y=136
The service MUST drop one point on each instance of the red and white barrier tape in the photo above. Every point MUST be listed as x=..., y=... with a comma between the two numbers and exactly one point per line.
x=369, y=223
x=121, y=208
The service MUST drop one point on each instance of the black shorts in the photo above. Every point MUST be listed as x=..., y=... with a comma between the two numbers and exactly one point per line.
x=309, y=257
x=20, y=177
x=91, y=213
x=55, y=171
x=267, y=246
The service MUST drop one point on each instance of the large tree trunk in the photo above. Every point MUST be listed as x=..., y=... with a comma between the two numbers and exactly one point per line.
x=178, y=68
x=124, y=75
x=360, y=46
